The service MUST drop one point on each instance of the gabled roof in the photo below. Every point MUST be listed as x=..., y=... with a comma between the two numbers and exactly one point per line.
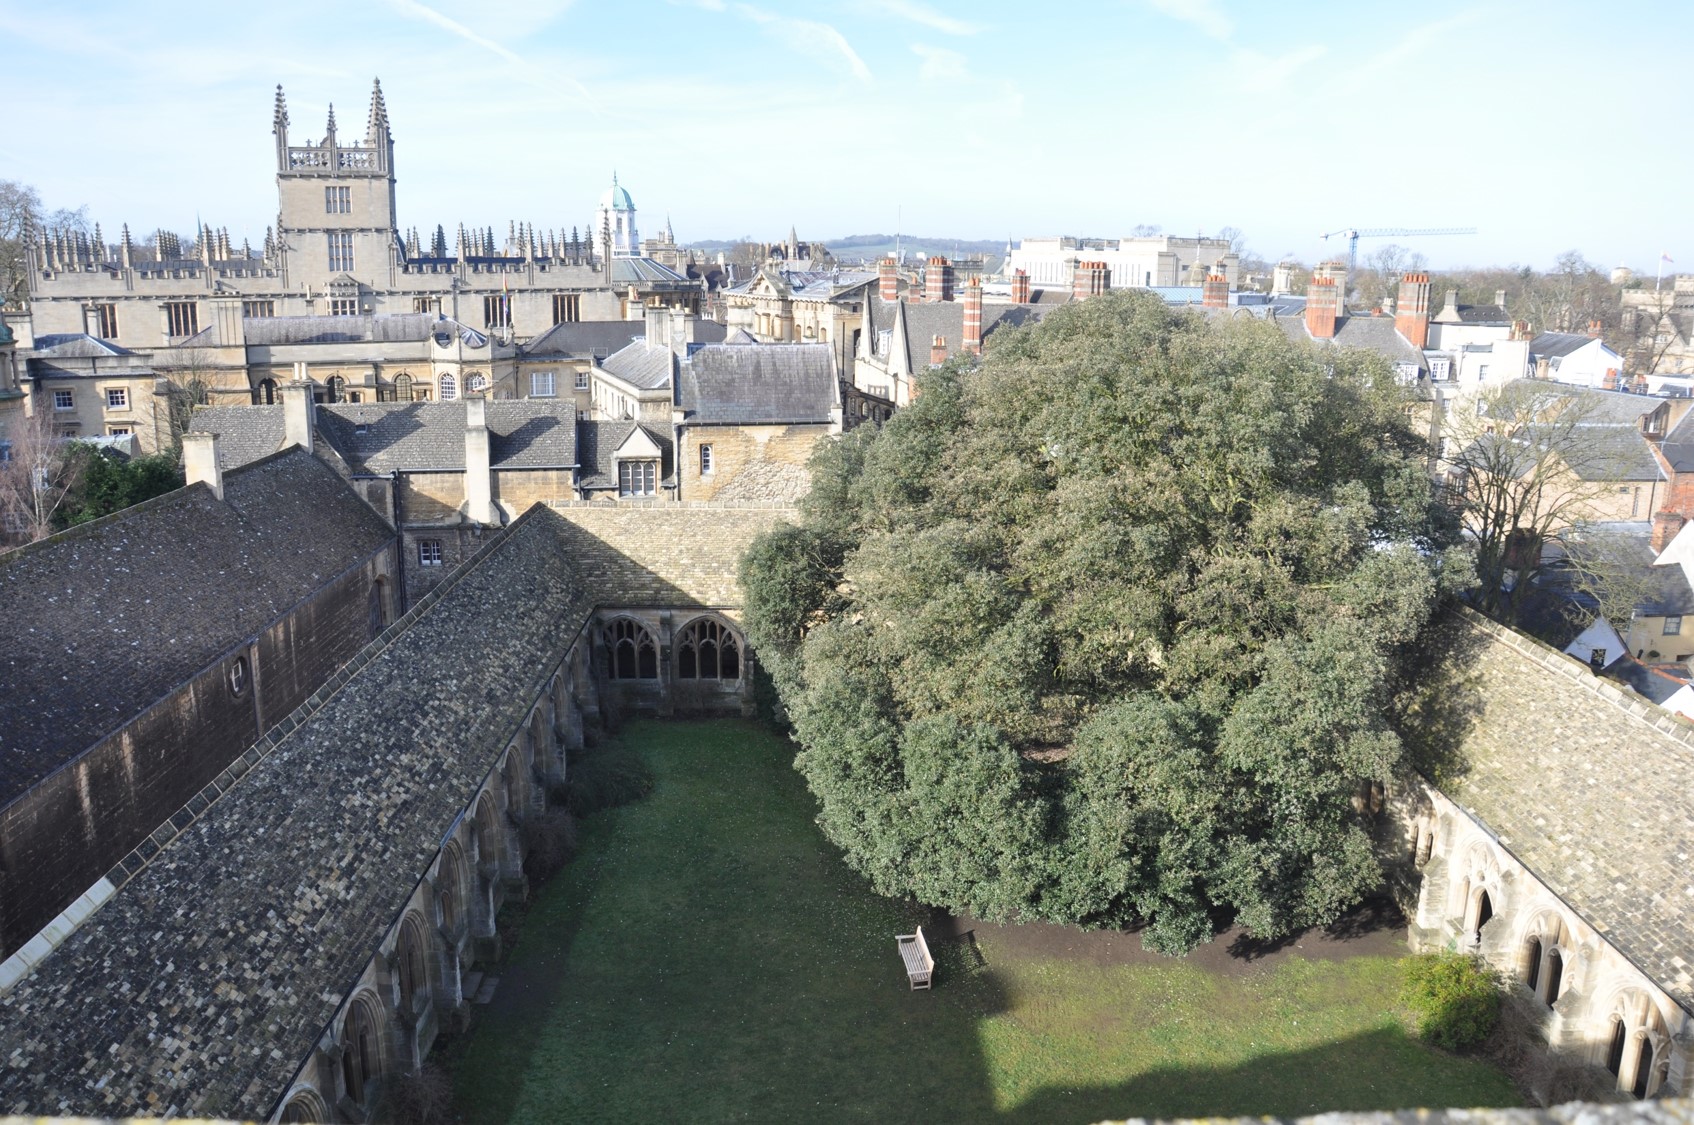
x=245, y=433
x=1554, y=344
x=274, y=331
x=1372, y=333
x=596, y=338
x=430, y=436
x=922, y=321
x=74, y=345
x=643, y=271
x=600, y=440
x=104, y=620
x=641, y=366
x=771, y=384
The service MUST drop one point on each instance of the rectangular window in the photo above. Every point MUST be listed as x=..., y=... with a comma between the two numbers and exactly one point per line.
x=705, y=460
x=182, y=318
x=638, y=478
x=117, y=398
x=497, y=311
x=62, y=400
x=107, y=318
x=5, y=452
x=344, y=306
x=117, y=431
x=258, y=308
x=1673, y=626
x=582, y=380
x=567, y=308
x=338, y=201
x=423, y=304
x=541, y=384
x=429, y=552
x=340, y=250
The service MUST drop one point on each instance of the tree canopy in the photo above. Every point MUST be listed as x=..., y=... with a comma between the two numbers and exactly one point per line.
x=1108, y=628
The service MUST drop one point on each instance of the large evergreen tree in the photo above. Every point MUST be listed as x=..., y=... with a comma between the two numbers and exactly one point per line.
x=1108, y=628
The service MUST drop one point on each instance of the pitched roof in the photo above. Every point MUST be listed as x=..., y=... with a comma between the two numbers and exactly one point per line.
x=1554, y=344
x=245, y=433
x=1584, y=782
x=642, y=271
x=648, y=368
x=208, y=978
x=104, y=620
x=768, y=384
x=598, y=440
x=74, y=345
x=926, y=320
x=382, y=437
x=584, y=338
x=378, y=328
x=1372, y=333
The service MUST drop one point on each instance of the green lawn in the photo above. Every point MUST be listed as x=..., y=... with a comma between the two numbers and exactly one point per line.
x=708, y=957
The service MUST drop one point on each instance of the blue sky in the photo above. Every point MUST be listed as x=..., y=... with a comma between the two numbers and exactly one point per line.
x=1547, y=125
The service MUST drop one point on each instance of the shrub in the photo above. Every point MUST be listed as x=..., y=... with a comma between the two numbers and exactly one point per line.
x=549, y=842
x=421, y=1098
x=1454, y=998
x=606, y=777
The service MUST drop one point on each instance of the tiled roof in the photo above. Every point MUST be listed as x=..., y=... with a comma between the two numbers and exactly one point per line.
x=245, y=433
x=1583, y=782
x=1553, y=344
x=74, y=345
x=648, y=368
x=584, y=338
x=383, y=328
x=106, y=619
x=598, y=440
x=206, y=981
x=769, y=384
x=1372, y=333
x=421, y=436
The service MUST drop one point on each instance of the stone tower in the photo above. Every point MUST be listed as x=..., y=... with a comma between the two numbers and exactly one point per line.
x=336, y=224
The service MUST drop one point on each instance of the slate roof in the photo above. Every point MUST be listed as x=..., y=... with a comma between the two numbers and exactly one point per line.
x=1583, y=782
x=598, y=440
x=1651, y=683
x=380, y=328
x=642, y=271
x=74, y=345
x=1373, y=333
x=106, y=619
x=245, y=433
x=584, y=338
x=1678, y=446
x=206, y=981
x=642, y=366
x=772, y=384
x=926, y=320
x=425, y=436
x=1553, y=344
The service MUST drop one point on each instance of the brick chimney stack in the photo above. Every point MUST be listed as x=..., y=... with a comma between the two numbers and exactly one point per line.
x=938, y=280
x=972, y=341
x=1090, y=280
x=1215, y=295
x=1594, y=329
x=1665, y=526
x=1322, y=302
x=1020, y=287
x=938, y=351
x=1411, y=311
x=888, y=279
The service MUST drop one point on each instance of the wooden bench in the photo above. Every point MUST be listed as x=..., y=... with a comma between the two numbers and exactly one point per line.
x=914, y=950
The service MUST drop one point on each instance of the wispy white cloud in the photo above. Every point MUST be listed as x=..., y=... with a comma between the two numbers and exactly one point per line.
x=810, y=37
x=939, y=64
x=1417, y=40
x=1204, y=15
x=424, y=12
x=922, y=14
x=1257, y=71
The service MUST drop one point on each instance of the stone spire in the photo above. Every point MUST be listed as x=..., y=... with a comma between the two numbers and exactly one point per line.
x=329, y=130
x=126, y=250
x=279, y=123
x=378, y=122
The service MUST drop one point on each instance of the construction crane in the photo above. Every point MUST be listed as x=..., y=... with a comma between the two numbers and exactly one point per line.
x=1355, y=233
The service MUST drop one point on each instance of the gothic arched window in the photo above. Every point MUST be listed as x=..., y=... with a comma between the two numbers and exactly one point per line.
x=337, y=389
x=361, y=1058
x=476, y=384
x=708, y=650
x=449, y=388
x=402, y=387
x=414, y=973
x=631, y=653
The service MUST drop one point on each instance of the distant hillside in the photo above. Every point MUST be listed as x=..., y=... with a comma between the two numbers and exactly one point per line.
x=871, y=246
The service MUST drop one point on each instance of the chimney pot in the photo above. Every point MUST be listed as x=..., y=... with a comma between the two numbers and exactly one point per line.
x=1321, y=307
x=1215, y=294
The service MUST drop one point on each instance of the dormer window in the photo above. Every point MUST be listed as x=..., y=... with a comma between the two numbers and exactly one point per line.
x=638, y=478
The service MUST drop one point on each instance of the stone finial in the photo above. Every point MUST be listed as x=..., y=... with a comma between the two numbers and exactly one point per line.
x=378, y=121
x=329, y=129
x=279, y=123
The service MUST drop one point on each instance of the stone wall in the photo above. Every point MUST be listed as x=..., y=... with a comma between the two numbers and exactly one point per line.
x=736, y=448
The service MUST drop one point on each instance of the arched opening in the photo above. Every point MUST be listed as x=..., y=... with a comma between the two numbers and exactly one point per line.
x=265, y=395
x=708, y=650
x=1614, y=1053
x=361, y=1051
x=631, y=653
x=1484, y=911
x=1643, y=1068
x=303, y=1107
x=402, y=387
x=414, y=971
x=337, y=389
x=476, y=384
x=1555, y=976
x=449, y=388
x=1533, y=977
x=448, y=889
x=487, y=829
x=1426, y=844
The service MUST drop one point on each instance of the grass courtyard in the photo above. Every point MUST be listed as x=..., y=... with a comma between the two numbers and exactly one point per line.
x=708, y=956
